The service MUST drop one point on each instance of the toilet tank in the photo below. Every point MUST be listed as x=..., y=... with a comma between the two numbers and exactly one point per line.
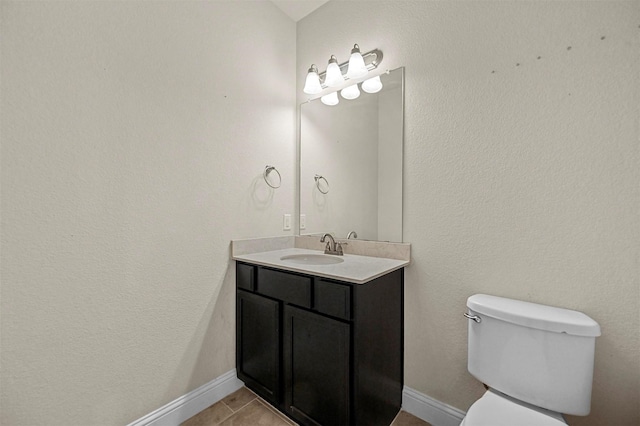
x=539, y=354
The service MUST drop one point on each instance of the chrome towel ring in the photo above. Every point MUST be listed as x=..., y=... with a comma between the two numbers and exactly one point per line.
x=318, y=178
x=265, y=175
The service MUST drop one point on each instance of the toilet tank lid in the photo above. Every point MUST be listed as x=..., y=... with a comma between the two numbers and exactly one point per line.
x=533, y=315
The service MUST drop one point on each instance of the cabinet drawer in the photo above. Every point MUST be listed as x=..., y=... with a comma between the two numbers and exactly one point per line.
x=332, y=299
x=288, y=287
x=245, y=276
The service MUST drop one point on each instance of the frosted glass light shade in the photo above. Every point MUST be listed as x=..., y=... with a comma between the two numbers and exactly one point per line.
x=357, y=68
x=350, y=92
x=373, y=85
x=312, y=83
x=331, y=99
x=333, y=77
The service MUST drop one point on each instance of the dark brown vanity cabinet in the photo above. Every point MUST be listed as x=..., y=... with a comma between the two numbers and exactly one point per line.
x=322, y=351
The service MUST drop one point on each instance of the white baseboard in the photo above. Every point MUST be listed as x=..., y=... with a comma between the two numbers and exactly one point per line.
x=190, y=404
x=182, y=408
x=430, y=410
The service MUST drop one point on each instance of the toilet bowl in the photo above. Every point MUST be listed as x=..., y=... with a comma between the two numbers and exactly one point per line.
x=536, y=360
x=497, y=409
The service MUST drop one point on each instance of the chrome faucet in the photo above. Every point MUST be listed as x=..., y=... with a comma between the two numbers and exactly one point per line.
x=352, y=234
x=332, y=247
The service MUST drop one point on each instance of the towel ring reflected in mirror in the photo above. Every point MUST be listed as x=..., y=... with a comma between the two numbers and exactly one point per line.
x=319, y=178
x=269, y=169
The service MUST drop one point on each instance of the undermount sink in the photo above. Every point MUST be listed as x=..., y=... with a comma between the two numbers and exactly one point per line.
x=312, y=259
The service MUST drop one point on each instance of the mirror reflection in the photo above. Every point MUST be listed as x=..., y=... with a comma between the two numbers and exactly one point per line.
x=351, y=164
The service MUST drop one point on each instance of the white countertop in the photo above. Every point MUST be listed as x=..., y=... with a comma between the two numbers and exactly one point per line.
x=355, y=269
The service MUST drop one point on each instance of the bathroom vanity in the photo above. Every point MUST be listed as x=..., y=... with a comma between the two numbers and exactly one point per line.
x=322, y=350
x=320, y=335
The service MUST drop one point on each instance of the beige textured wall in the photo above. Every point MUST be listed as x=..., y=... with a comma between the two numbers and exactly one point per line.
x=134, y=136
x=520, y=180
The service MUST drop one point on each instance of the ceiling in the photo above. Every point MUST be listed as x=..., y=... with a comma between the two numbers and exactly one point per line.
x=298, y=9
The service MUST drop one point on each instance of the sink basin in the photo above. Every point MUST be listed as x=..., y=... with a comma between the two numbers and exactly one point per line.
x=312, y=259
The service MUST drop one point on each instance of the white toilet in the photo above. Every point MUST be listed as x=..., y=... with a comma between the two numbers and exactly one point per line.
x=537, y=361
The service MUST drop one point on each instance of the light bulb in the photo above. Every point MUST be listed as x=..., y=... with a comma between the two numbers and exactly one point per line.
x=331, y=99
x=350, y=92
x=357, y=68
x=312, y=83
x=373, y=85
x=334, y=75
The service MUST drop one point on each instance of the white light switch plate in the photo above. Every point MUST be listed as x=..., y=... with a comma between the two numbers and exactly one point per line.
x=303, y=221
x=286, y=222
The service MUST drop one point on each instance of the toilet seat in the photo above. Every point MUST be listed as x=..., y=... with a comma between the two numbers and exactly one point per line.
x=496, y=409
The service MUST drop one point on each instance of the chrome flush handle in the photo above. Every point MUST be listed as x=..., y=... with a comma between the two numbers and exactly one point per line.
x=473, y=317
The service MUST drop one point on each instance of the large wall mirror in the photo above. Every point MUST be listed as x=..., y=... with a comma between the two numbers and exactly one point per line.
x=351, y=164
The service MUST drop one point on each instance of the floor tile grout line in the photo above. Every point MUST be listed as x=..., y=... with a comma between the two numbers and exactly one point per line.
x=262, y=403
x=250, y=401
x=234, y=413
x=243, y=406
x=225, y=418
x=227, y=405
x=276, y=411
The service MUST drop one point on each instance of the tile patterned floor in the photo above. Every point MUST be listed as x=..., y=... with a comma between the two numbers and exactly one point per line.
x=244, y=408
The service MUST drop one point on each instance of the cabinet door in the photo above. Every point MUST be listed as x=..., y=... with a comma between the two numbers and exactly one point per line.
x=316, y=364
x=258, y=344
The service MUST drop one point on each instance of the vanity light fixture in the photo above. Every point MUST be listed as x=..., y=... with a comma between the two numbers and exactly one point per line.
x=350, y=92
x=330, y=99
x=357, y=68
x=372, y=85
x=312, y=84
x=336, y=74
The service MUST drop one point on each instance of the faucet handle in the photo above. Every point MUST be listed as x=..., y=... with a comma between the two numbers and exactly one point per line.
x=339, y=248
